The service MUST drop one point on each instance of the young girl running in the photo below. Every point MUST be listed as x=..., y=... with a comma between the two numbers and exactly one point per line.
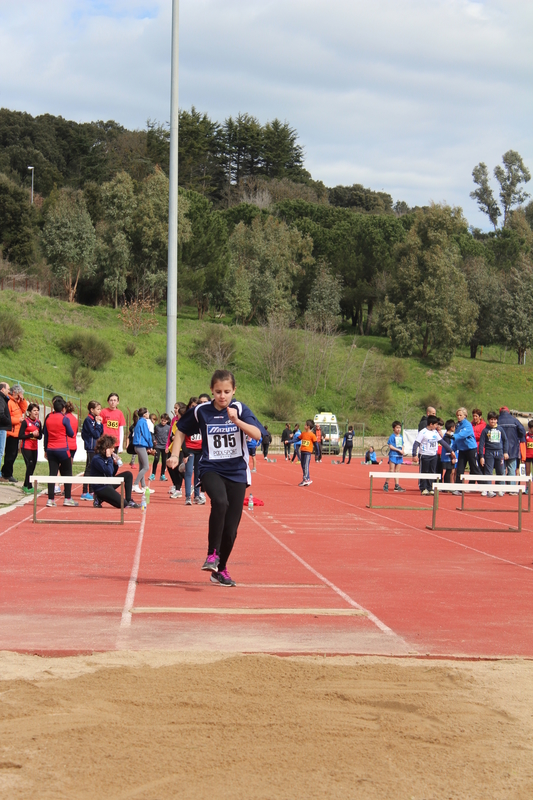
x=223, y=470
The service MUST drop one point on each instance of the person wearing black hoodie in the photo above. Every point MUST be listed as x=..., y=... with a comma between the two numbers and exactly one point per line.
x=5, y=417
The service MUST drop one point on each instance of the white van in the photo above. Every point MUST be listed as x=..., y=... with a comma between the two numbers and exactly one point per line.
x=330, y=431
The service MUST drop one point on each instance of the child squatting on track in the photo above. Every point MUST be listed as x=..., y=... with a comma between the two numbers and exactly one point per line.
x=395, y=442
x=223, y=469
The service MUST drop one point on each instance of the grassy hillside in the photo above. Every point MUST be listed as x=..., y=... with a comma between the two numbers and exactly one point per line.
x=366, y=383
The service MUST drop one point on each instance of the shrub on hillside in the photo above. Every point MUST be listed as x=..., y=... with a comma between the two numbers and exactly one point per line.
x=81, y=377
x=432, y=400
x=282, y=404
x=215, y=348
x=11, y=331
x=131, y=349
x=161, y=360
x=88, y=348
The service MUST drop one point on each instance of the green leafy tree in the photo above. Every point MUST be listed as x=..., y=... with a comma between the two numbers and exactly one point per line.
x=484, y=194
x=361, y=199
x=511, y=177
x=428, y=310
x=69, y=240
x=17, y=223
x=485, y=288
x=203, y=257
x=516, y=304
x=323, y=307
x=200, y=156
x=114, y=253
x=272, y=253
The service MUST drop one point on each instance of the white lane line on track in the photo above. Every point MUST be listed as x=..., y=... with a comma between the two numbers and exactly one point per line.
x=460, y=544
x=432, y=533
x=377, y=622
x=125, y=620
x=16, y=525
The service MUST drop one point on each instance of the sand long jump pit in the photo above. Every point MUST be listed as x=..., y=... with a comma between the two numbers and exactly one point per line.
x=154, y=726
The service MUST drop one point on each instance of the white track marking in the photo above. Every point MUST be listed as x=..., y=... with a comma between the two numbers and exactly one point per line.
x=16, y=524
x=425, y=531
x=459, y=544
x=125, y=620
x=377, y=622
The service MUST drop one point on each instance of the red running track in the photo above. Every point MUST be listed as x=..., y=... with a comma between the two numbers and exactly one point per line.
x=317, y=571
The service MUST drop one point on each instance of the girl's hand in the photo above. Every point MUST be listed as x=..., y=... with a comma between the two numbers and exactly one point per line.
x=482, y=461
x=232, y=414
x=173, y=462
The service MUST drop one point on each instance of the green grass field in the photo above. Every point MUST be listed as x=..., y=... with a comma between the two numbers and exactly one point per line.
x=366, y=383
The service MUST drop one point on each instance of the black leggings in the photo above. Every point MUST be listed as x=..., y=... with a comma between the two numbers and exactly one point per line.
x=10, y=456
x=90, y=455
x=227, y=498
x=287, y=449
x=30, y=458
x=110, y=495
x=58, y=461
x=176, y=477
x=163, y=455
x=347, y=449
x=467, y=457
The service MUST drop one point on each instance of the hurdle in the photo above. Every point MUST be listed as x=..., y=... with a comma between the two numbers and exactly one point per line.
x=505, y=479
x=76, y=479
x=403, y=475
x=451, y=487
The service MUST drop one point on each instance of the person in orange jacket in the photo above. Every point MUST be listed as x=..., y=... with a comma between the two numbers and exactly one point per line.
x=17, y=408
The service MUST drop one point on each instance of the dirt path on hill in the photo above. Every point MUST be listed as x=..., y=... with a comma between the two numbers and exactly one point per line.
x=155, y=726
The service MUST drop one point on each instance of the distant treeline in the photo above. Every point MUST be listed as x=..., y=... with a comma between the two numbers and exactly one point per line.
x=259, y=239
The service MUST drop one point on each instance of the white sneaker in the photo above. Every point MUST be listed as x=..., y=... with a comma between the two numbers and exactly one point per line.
x=483, y=494
x=174, y=494
x=199, y=501
x=150, y=490
x=137, y=490
x=491, y=494
x=501, y=494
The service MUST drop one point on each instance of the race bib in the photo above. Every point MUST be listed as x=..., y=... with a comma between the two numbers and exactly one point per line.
x=495, y=436
x=398, y=441
x=112, y=423
x=223, y=441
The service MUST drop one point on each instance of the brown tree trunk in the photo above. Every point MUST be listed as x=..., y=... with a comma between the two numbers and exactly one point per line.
x=521, y=353
x=473, y=350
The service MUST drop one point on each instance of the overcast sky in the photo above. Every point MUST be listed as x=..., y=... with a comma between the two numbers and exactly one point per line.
x=400, y=95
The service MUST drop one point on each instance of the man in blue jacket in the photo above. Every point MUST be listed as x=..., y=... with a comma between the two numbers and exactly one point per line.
x=515, y=433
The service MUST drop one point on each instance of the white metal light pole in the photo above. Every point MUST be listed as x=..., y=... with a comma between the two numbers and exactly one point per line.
x=172, y=282
x=32, y=174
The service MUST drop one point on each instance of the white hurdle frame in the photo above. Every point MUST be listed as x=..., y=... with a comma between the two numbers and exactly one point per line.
x=427, y=476
x=74, y=479
x=452, y=487
x=487, y=479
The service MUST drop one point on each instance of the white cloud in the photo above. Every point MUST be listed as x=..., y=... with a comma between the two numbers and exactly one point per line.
x=406, y=96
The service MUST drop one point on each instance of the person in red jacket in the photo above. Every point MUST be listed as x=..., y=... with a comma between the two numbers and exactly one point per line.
x=72, y=418
x=478, y=424
x=29, y=434
x=17, y=408
x=113, y=421
x=57, y=429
